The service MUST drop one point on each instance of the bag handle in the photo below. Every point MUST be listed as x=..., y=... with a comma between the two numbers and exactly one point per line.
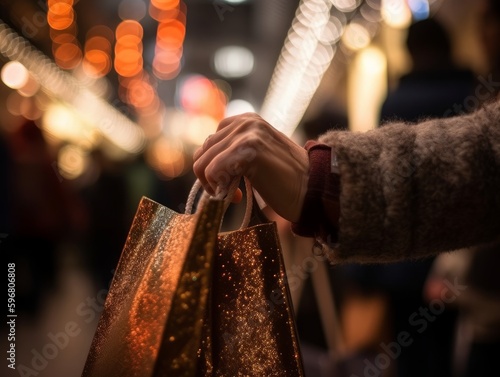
x=225, y=195
x=328, y=312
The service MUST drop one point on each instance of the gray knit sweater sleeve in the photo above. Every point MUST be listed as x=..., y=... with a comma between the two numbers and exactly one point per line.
x=410, y=191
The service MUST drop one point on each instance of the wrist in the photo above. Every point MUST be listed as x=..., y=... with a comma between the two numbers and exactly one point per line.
x=319, y=214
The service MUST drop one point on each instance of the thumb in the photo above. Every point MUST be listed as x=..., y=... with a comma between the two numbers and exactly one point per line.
x=238, y=195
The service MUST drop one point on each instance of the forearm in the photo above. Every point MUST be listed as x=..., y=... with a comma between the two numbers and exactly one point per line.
x=411, y=191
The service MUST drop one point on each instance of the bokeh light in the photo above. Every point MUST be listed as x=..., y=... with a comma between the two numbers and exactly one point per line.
x=364, y=101
x=132, y=10
x=96, y=63
x=63, y=123
x=128, y=49
x=170, y=34
x=198, y=128
x=356, y=36
x=396, y=13
x=129, y=27
x=201, y=96
x=166, y=157
x=14, y=75
x=72, y=161
x=60, y=15
x=239, y=106
x=97, y=56
x=420, y=9
x=68, y=55
x=165, y=4
x=30, y=88
x=233, y=61
x=346, y=5
x=63, y=30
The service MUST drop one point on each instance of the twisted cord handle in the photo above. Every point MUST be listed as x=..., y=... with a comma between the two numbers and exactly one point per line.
x=225, y=195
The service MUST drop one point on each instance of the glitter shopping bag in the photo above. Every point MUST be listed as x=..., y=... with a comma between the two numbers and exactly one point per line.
x=163, y=275
x=250, y=328
x=186, y=301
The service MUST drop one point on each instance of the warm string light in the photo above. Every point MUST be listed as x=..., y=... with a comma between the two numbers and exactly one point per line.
x=61, y=18
x=97, y=53
x=301, y=65
x=396, y=13
x=171, y=17
x=319, y=27
x=60, y=85
x=136, y=87
x=128, y=48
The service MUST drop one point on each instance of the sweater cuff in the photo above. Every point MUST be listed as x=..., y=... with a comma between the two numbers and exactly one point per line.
x=321, y=209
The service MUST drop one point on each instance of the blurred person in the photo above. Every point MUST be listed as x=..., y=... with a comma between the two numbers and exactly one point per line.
x=382, y=297
x=489, y=26
x=434, y=84
x=478, y=330
x=109, y=219
x=43, y=214
x=432, y=87
x=4, y=189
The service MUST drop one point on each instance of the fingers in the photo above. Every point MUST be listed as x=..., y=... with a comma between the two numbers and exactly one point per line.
x=217, y=167
x=238, y=196
x=226, y=127
x=227, y=153
x=230, y=120
x=210, y=141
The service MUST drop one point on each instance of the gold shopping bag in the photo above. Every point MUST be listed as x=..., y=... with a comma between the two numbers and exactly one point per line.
x=187, y=301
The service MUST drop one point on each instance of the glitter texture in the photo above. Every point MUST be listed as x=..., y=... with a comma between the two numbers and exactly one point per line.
x=250, y=330
x=141, y=309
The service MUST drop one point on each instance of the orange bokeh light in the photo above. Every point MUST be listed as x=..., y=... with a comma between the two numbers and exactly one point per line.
x=170, y=34
x=129, y=27
x=140, y=93
x=166, y=158
x=52, y=3
x=160, y=15
x=127, y=66
x=172, y=26
x=168, y=56
x=71, y=29
x=98, y=43
x=61, y=9
x=128, y=42
x=128, y=56
x=62, y=38
x=166, y=70
x=96, y=63
x=165, y=4
x=199, y=95
x=101, y=31
x=60, y=21
x=68, y=55
x=171, y=17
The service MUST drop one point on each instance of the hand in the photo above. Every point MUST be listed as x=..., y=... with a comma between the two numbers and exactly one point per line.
x=246, y=145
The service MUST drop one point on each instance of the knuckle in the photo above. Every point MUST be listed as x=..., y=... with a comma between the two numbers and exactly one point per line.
x=215, y=172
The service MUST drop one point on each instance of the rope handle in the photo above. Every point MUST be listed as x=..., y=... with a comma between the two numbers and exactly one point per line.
x=225, y=195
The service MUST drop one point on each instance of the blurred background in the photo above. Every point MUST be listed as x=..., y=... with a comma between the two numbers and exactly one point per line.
x=102, y=102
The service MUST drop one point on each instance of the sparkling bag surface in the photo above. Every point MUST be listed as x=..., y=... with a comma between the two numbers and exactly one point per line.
x=250, y=329
x=156, y=298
